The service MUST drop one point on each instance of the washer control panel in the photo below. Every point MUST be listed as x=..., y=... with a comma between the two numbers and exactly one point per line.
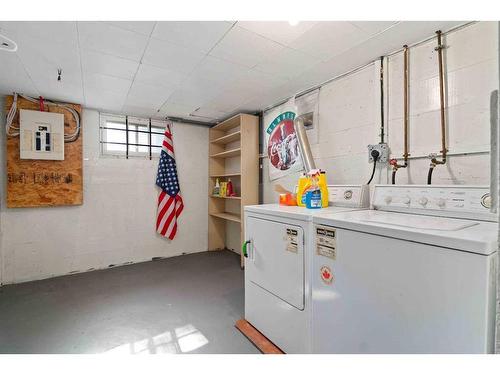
x=349, y=195
x=472, y=202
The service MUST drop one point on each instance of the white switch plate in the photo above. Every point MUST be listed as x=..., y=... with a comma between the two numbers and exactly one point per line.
x=41, y=135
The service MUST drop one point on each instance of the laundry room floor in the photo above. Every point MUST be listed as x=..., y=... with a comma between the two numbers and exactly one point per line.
x=185, y=304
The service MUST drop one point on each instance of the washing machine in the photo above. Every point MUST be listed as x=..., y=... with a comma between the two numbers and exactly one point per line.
x=416, y=274
x=277, y=268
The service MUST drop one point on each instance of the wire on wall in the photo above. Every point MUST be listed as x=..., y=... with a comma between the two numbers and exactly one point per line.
x=13, y=131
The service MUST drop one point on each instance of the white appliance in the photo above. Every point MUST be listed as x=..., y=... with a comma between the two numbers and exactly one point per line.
x=277, y=269
x=414, y=275
x=41, y=135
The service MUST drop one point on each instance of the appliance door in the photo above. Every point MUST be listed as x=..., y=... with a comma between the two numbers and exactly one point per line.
x=388, y=295
x=276, y=259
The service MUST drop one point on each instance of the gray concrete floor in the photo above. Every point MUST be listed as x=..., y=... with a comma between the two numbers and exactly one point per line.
x=186, y=304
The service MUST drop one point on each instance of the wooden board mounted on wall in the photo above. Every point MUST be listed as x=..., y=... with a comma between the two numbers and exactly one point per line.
x=38, y=183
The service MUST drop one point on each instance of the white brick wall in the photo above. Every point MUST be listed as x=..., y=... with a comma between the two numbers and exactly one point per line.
x=116, y=222
x=349, y=114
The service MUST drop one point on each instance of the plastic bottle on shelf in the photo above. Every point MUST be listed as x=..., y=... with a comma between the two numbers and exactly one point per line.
x=216, y=190
x=230, y=191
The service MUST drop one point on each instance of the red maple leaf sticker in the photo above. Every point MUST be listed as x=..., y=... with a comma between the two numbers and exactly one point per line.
x=326, y=274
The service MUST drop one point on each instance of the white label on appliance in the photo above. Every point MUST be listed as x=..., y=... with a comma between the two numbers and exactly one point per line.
x=291, y=240
x=326, y=242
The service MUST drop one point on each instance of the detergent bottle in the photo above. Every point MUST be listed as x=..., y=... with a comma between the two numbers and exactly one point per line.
x=313, y=192
x=302, y=185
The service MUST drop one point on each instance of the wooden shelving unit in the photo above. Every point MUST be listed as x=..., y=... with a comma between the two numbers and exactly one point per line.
x=234, y=154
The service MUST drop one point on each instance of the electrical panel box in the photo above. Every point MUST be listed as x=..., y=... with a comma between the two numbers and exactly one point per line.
x=41, y=135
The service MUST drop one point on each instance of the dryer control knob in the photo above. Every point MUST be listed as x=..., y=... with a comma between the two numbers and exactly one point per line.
x=486, y=200
x=388, y=199
x=441, y=202
x=406, y=200
x=423, y=201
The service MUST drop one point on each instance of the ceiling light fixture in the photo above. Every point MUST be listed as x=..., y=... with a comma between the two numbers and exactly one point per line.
x=293, y=22
x=7, y=44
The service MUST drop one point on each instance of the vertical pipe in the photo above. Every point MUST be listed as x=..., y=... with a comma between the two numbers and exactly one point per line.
x=261, y=160
x=382, y=126
x=439, y=49
x=126, y=136
x=494, y=152
x=150, y=137
x=405, y=105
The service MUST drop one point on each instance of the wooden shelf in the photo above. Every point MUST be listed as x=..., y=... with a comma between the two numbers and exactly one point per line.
x=227, y=154
x=216, y=196
x=227, y=216
x=236, y=136
x=234, y=153
x=225, y=175
x=228, y=124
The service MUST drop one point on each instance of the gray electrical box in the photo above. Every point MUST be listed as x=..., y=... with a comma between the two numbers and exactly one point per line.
x=383, y=150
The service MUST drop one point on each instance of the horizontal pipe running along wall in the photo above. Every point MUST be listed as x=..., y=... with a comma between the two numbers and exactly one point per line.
x=116, y=223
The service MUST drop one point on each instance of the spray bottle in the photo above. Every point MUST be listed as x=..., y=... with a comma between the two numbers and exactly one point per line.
x=313, y=192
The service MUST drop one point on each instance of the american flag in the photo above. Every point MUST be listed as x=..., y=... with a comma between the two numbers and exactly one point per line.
x=170, y=203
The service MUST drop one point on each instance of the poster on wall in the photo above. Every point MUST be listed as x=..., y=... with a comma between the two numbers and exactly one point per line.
x=282, y=146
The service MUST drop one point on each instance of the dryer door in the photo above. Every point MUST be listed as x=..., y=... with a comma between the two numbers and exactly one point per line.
x=276, y=259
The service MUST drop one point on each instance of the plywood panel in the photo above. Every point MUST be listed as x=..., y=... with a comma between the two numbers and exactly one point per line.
x=37, y=183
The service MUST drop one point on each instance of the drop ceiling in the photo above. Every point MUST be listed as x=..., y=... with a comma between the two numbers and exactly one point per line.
x=204, y=71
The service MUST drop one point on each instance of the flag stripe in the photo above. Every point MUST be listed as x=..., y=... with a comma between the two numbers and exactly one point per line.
x=170, y=203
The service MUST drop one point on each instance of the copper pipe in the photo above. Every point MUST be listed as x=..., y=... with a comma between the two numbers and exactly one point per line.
x=439, y=48
x=405, y=104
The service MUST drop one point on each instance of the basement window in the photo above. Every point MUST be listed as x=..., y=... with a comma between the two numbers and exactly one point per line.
x=131, y=136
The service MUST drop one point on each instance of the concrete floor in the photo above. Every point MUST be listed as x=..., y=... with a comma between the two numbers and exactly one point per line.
x=186, y=304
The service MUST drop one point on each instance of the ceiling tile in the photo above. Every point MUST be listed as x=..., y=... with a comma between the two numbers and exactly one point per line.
x=104, y=100
x=147, y=96
x=191, y=98
x=141, y=27
x=130, y=109
x=288, y=63
x=199, y=36
x=218, y=71
x=53, y=31
x=97, y=62
x=13, y=77
x=279, y=31
x=154, y=75
x=229, y=100
x=207, y=114
x=171, y=56
x=63, y=91
x=102, y=37
x=176, y=110
x=255, y=82
x=106, y=83
x=373, y=27
x=328, y=39
x=244, y=47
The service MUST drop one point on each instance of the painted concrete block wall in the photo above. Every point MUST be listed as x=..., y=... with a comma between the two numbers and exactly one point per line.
x=349, y=114
x=115, y=225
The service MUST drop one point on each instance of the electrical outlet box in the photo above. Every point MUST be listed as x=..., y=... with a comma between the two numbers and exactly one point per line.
x=41, y=135
x=383, y=150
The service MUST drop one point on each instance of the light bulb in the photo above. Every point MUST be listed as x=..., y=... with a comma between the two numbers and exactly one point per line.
x=293, y=22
